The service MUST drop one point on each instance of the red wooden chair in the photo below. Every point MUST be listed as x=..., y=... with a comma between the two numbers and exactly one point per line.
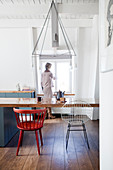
x=29, y=120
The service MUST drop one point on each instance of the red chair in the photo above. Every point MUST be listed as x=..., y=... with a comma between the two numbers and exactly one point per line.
x=29, y=120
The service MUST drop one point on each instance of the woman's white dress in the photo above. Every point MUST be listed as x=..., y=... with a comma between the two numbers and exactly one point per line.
x=46, y=82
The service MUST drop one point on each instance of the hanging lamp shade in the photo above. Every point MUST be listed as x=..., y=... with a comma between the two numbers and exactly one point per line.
x=56, y=22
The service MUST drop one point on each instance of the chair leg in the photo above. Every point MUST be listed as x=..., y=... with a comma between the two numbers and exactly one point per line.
x=67, y=138
x=22, y=138
x=36, y=134
x=67, y=135
x=85, y=135
x=41, y=137
x=19, y=141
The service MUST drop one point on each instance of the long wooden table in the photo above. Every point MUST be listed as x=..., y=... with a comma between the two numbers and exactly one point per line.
x=47, y=102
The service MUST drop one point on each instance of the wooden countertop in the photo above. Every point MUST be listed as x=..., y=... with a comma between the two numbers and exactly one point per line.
x=67, y=94
x=32, y=102
x=16, y=91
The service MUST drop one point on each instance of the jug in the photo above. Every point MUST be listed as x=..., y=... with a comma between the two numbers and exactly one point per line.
x=59, y=94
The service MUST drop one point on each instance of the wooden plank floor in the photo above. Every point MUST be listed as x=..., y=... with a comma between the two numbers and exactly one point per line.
x=53, y=153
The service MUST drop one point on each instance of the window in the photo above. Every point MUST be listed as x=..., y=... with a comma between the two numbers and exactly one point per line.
x=63, y=76
x=61, y=71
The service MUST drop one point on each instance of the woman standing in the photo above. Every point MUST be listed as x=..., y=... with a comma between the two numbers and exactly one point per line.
x=46, y=83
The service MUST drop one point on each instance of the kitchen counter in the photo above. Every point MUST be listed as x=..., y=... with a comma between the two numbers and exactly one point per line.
x=16, y=91
x=7, y=118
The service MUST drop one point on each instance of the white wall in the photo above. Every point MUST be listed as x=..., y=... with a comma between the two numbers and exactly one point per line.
x=106, y=99
x=15, y=58
x=106, y=121
x=87, y=61
x=84, y=46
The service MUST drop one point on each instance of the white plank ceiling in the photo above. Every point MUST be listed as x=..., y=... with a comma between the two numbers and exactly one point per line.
x=4, y=2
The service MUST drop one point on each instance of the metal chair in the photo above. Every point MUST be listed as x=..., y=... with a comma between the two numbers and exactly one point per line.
x=27, y=120
x=76, y=115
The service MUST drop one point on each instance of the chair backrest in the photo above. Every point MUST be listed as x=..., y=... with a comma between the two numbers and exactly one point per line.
x=29, y=119
x=77, y=110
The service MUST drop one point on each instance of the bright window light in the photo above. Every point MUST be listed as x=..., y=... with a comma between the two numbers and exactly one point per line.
x=63, y=76
x=61, y=71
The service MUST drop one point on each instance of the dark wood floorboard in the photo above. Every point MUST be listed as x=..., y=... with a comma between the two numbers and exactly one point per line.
x=45, y=159
x=53, y=153
x=58, y=149
x=71, y=161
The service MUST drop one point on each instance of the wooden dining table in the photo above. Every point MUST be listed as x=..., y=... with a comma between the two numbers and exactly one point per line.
x=45, y=102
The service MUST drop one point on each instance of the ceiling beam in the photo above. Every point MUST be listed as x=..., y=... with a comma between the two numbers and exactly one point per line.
x=82, y=8
x=21, y=23
x=35, y=9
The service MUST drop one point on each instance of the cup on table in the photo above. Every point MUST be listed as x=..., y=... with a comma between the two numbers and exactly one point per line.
x=39, y=99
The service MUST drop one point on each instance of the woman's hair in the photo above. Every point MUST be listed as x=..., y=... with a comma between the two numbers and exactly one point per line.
x=47, y=66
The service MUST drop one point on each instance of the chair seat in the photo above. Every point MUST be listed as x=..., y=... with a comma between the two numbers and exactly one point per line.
x=29, y=125
x=75, y=118
x=76, y=122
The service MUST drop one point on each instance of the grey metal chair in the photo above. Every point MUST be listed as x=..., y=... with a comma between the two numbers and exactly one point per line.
x=75, y=114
